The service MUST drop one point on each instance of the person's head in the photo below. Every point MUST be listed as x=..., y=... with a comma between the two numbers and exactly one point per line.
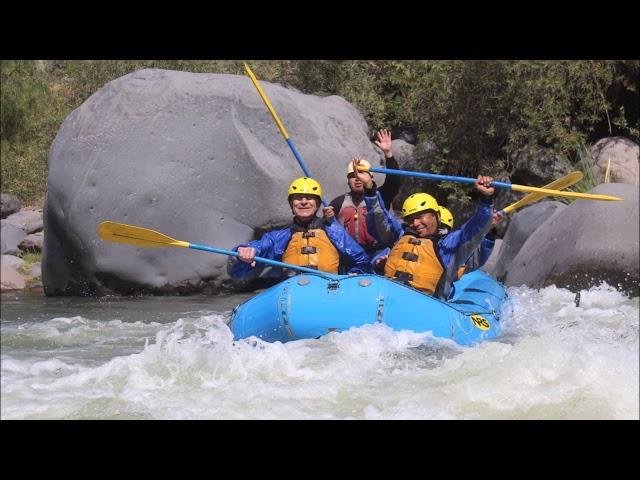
x=305, y=197
x=355, y=184
x=446, y=217
x=421, y=212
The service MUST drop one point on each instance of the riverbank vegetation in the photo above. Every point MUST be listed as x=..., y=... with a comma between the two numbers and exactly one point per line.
x=476, y=112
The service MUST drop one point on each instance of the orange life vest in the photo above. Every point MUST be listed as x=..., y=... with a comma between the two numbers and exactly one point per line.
x=461, y=271
x=414, y=261
x=313, y=249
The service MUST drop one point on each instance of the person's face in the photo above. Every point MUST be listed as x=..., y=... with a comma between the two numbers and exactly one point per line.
x=355, y=184
x=424, y=223
x=304, y=206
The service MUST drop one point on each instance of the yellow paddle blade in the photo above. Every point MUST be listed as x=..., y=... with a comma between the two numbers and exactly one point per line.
x=138, y=236
x=266, y=101
x=558, y=193
x=559, y=184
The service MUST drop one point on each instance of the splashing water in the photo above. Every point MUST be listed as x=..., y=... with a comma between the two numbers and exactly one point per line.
x=555, y=360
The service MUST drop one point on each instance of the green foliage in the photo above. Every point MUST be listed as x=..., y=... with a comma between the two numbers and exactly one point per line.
x=584, y=163
x=29, y=259
x=476, y=111
x=31, y=115
x=21, y=89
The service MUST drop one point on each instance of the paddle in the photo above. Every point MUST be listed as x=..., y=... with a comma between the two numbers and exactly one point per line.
x=280, y=125
x=495, y=184
x=559, y=184
x=144, y=237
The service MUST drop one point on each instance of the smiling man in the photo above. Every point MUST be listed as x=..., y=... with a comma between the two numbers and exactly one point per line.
x=424, y=258
x=310, y=241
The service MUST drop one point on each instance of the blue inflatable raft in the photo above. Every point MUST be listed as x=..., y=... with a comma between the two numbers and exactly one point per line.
x=309, y=306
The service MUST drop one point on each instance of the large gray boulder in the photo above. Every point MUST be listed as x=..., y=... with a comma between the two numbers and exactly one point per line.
x=195, y=156
x=522, y=226
x=586, y=243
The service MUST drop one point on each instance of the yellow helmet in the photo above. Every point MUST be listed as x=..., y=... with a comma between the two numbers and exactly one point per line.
x=364, y=163
x=305, y=185
x=446, y=216
x=418, y=202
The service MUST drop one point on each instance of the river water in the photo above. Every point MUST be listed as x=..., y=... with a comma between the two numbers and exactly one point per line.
x=174, y=358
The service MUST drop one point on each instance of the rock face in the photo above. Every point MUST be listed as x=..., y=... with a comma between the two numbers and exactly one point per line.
x=623, y=153
x=403, y=152
x=28, y=220
x=586, y=243
x=10, y=238
x=195, y=156
x=522, y=226
x=10, y=278
x=537, y=166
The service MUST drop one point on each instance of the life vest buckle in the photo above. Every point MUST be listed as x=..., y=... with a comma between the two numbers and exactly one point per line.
x=410, y=256
x=415, y=241
x=404, y=276
x=307, y=250
x=308, y=234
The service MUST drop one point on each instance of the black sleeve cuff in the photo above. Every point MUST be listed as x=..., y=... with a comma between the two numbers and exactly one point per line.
x=391, y=163
x=371, y=192
x=486, y=199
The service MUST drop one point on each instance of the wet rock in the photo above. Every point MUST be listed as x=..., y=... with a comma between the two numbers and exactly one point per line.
x=585, y=244
x=524, y=223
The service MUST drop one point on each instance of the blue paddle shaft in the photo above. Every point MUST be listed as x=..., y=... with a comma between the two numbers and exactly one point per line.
x=435, y=176
x=301, y=162
x=274, y=263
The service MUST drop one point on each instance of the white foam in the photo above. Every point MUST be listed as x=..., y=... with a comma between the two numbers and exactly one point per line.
x=555, y=360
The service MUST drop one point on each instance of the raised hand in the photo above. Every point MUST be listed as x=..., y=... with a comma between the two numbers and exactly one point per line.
x=384, y=142
x=365, y=177
x=483, y=185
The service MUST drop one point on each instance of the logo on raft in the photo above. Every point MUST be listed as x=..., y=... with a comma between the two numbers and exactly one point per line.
x=480, y=322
